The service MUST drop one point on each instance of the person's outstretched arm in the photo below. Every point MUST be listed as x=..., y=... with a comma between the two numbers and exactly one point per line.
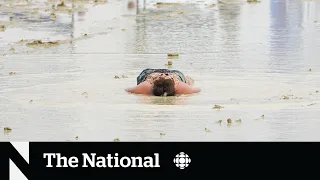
x=184, y=88
x=142, y=88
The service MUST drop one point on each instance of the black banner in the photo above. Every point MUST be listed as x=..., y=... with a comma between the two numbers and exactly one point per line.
x=185, y=160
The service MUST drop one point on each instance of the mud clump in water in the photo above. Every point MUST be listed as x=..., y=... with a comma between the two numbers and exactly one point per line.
x=7, y=130
x=162, y=134
x=229, y=121
x=2, y=28
x=220, y=121
x=85, y=94
x=173, y=55
x=53, y=16
x=161, y=4
x=100, y=1
x=116, y=77
x=116, y=140
x=218, y=107
x=39, y=43
x=12, y=73
x=253, y=1
x=211, y=5
x=170, y=63
x=61, y=5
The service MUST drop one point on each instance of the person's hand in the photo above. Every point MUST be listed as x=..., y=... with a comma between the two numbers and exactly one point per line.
x=128, y=90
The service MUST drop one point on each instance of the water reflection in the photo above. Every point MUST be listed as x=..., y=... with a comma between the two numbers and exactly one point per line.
x=228, y=35
x=286, y=43
x=176, y=100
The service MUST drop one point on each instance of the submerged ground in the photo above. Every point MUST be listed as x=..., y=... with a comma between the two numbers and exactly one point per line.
x=260, y=62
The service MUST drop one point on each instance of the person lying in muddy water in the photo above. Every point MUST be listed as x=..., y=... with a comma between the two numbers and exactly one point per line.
x=163, y=82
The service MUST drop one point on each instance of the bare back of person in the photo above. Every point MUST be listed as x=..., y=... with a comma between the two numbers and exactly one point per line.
x=163, y=82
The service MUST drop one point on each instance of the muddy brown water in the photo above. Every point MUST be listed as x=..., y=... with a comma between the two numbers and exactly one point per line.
x=252, y=59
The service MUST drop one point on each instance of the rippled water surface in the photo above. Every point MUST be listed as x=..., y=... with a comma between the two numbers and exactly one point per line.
x=252, y=59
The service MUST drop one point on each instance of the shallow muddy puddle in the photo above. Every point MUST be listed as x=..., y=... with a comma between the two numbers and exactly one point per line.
x=252, y=62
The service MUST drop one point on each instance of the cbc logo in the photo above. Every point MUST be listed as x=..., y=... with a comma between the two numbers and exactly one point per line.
x=182, y=160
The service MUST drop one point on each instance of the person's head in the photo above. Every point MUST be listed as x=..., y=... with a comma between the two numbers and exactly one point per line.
x=163, y=87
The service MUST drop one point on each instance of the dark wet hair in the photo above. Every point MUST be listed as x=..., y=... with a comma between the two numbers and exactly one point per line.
x=163, y=87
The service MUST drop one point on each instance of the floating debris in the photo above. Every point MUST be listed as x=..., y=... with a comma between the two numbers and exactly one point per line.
x=220, y=121
x=45, y=44
x=12, y=73
x=312, y=104
x=61, y=4
x=173, y=55
x=2, y=28
x=229, y=121
x=162, y=134
x=123, y=30
x=11, y=18
x=160, y=4
x=211, y=5
x=207, y=130
x=123, y=76
x=12, y=49
x=116, y=77
x=31, y=101
x=100, y=1
x=77, y=137
x=7, y=130
x=116, y=140
x=217, y=107
x=85, y=94
x=262, y=116
x=239, y=121
x=170, y=63
x=285, y=97
x=85, y=35
x=181, y=13
x=310, y=70
x=317, y=91
x=253, y=1
x=53, y=16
